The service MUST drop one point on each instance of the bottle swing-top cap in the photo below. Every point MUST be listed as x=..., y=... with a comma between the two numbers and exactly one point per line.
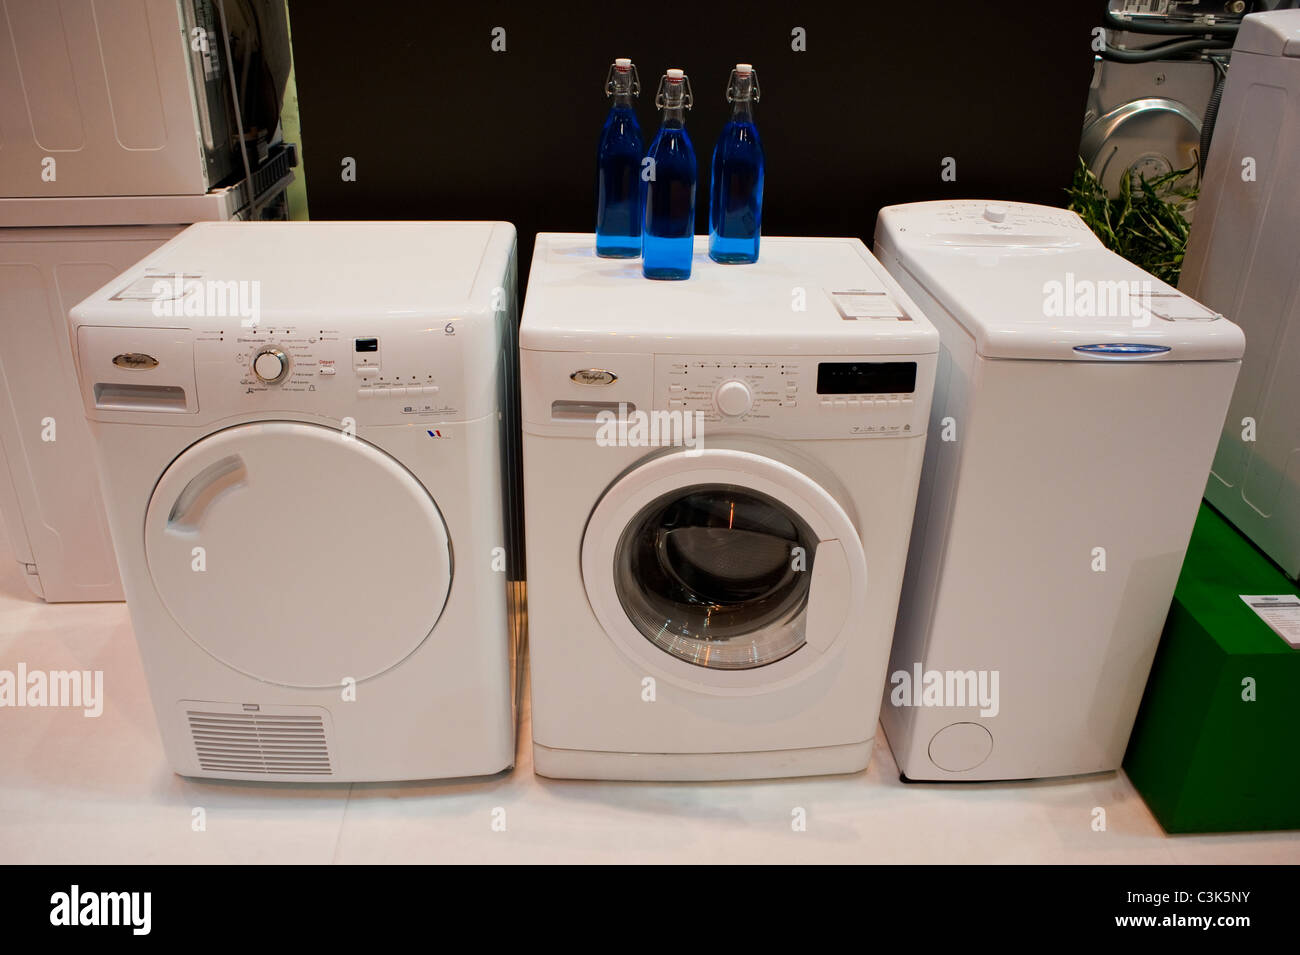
x=743, y=83
x=674, y=91
x=622, y=78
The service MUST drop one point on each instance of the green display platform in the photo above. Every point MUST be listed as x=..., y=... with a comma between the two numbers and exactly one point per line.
x=1204, y=757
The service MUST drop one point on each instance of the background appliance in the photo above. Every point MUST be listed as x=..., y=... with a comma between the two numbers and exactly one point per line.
x=1157, y=83
x=722, y=610
x=1242, y=260
x=139, y=98
x=1050, y=530
x=287, y=485
x=141, y=124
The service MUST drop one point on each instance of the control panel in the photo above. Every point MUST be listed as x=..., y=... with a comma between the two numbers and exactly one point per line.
x=966, y=220
x=831, y=396
x=398, y=376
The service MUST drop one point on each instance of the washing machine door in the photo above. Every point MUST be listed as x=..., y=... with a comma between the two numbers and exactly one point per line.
x=723, y=570
x=297, y=554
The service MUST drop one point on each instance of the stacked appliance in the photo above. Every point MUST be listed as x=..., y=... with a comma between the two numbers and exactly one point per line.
x=123, y=123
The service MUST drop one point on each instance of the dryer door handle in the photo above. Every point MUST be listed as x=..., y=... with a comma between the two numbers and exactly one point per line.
x=205, y=487
x=828, y=595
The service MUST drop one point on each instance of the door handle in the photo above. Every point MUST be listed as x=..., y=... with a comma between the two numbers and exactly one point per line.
x=204, y=488
x=828, y=595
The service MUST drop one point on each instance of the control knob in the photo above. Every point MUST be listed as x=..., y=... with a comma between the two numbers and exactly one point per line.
x=271, y=365
x=733, y=398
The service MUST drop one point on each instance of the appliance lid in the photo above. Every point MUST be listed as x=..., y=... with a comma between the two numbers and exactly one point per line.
x=1030, y=281
x=802, y=296
x=328, y=270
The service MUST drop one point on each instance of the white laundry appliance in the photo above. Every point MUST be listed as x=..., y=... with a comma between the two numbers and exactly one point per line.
x=139, y=98
x=53, y=253
x=1076, y=409
x=300, y=430
x=719, y=479
x=1242, y=259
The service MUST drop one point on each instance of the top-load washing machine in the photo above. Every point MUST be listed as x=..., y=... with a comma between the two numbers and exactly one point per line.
x=1077, y=406
x=300, y=430
x=719, y=482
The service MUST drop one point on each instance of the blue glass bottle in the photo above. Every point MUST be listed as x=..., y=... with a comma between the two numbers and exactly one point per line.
x=668, y=186
x=736, y=190
x=618, y=168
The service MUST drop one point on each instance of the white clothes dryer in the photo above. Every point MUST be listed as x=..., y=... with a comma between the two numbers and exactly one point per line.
x=300, y=430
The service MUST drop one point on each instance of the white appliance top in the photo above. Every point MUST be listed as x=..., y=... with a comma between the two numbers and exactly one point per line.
x=825, y=296
x=1030, y=281
x=1272, y=33
x=383, y=322
x=326, y=270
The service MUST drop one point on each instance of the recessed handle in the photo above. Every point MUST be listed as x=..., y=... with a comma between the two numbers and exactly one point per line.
x=193, y=503
x=828, y=595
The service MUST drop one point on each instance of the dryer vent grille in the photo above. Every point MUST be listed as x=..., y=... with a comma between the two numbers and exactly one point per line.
x=260, y=744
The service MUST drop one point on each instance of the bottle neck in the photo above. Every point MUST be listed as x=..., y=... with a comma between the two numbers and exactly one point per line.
x=621, y=99
x=674, y=117
x=742, y=90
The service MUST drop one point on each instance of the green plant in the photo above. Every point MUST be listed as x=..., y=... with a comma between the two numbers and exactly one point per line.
x=1147, y=224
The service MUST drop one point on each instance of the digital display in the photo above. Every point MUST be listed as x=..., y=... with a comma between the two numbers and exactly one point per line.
x=367, y=344
x=866, y=377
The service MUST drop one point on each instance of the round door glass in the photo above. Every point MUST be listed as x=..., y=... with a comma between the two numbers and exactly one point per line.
x=717, y=575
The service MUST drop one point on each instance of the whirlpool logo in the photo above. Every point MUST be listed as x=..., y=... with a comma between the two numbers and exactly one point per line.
x=137, y=361
x=593, y=376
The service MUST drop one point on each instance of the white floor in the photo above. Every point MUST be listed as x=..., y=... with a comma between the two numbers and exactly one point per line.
x=77, y=790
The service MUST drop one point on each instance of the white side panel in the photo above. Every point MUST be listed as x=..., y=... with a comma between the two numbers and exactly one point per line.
x=948, y=421
x=1064, y=465
x=1242, y=261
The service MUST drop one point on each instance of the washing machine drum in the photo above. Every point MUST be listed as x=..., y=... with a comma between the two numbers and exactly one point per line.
x=297, y=554
x=717, y=575
x=730, y=568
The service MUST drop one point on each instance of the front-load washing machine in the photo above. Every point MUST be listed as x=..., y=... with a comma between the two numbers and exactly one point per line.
x=1076, y=410
x=719, y=478
x=300, y=429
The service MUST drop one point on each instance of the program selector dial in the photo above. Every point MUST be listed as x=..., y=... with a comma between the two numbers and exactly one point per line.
x=271, y=365
x=734, y=398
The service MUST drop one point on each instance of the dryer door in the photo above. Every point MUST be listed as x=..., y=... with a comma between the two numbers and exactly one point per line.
x=297, y=554
x=723, y=570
